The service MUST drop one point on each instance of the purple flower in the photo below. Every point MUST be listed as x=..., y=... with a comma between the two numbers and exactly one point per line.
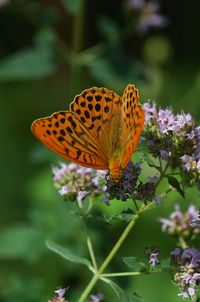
x=130, y=186
x=152, y=179
x=183, y=295
x=149, y=15
x=191, y=291
x=81, y=196
x=164, y=155
x=61, y=292
x=60, y=173
x=96, y=298
x=185, y=269
x=153, y=259
x=150, y=112
x=173, y=137
x=60, y=297
x=165, y=223
x=157, y=199
x=180, y=223
x=74, y=181
x=152, y=253
x=64, y=190
x=176, y=253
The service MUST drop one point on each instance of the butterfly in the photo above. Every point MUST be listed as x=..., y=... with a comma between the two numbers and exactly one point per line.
x=100, y=131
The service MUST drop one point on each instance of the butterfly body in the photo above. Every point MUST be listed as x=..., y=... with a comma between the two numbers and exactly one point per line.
x=100, y=131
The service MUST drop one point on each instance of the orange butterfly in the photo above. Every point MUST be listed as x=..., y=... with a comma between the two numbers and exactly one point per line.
x=100, y=131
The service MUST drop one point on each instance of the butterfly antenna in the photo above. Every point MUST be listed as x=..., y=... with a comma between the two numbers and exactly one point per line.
x=93, y=188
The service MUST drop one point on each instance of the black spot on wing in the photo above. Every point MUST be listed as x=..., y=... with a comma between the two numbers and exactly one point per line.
x=89, y=98
x=78, y=153
x=62, y=132
x=61, y=139
x=98, y=98
x=97, y=107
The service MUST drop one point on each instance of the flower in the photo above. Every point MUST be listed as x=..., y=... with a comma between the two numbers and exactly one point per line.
x=196, y=222
x=131, y=186
x=180, y=223
x=149, y=15
x=164, y=155
x=60, y=297
x=152, y=253
x=96, y=298
x=74, y=181
x=174, y=138
x=185, y=270
x=60, y=292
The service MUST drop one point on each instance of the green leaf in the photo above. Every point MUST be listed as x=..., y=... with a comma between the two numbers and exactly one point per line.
x=72, y=6
x=27, y=64
x=122, y=295
x=135, y=264
x=119, y=217
x=175, y=183
x=66, y=253
x=149, y=161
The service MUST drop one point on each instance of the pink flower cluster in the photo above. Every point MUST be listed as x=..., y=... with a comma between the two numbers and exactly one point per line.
x=75, y=182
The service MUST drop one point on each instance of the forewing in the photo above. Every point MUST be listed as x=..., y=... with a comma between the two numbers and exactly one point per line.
x=132, y=122
x=98, y=109
x=68, y=137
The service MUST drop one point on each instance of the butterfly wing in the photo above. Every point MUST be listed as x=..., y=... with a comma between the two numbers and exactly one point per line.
x=132, y=122
x=99, y=109
x=82, y=135
x=67, y=136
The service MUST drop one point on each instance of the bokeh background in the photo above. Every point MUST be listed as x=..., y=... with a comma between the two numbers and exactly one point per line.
x=51, y=50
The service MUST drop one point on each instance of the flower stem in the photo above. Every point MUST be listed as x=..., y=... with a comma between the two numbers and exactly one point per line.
x=122, y=274
x=89, y=242
x=89, y=288
x=91, y=251
x=161, y=167
x=182, y=243
x=113, y=252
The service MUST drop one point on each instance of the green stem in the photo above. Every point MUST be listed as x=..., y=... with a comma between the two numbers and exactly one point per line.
x=91, y=251
x=178, y=173
x=122, y=274
x=162, y=173
x=137, y=208
x=88, y=288
x=113, y=252
x=161, y=167
x=89, y=242
x=126, y=274
x=182, y=242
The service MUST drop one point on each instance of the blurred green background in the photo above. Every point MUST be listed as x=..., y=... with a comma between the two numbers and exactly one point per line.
x=51, y=50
